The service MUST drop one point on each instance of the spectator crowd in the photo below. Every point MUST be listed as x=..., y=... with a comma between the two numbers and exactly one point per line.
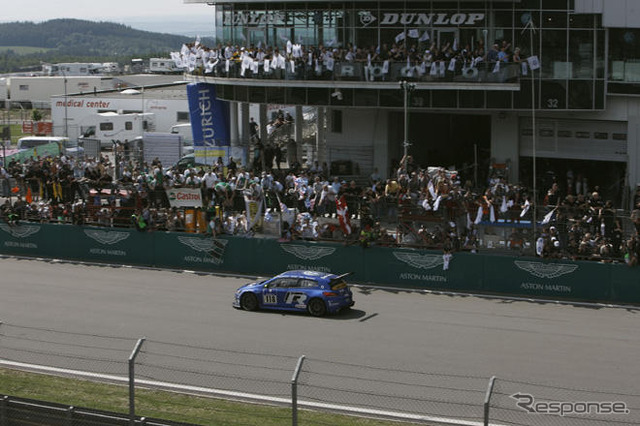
x=421, y=207
x=421, y=57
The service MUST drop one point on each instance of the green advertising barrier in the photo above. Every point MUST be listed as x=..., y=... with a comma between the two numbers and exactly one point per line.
x=393, y=267
x=533, y=277
x=423, y=269
x=625, y=284
x=27, y=239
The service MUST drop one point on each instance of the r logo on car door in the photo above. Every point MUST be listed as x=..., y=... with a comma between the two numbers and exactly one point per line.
x=296, y=298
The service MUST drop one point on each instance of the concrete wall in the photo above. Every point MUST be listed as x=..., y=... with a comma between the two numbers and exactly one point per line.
x=364, y=133
x=504, y=141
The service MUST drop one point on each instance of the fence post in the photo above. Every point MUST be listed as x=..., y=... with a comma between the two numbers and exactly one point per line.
x=4, y=402
x=294, y=392
x=487, y=400
x=70, y=412
x=132, y=387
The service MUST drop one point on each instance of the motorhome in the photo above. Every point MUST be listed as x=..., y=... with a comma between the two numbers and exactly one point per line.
x=111, y=127
x=72, y=69
x=163, y=66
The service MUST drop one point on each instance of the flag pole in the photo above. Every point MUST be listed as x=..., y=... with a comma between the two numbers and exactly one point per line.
x=532, y=29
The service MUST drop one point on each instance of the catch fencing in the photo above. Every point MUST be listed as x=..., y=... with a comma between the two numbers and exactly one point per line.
x=294, y=386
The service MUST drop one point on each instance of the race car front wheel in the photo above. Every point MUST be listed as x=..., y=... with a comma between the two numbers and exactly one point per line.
x=249, y=302
x=316, y=307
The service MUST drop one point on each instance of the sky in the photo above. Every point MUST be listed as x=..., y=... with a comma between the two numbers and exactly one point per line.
x=169, y=16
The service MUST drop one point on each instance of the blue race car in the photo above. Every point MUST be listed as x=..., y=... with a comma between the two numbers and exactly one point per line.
x=315, y=292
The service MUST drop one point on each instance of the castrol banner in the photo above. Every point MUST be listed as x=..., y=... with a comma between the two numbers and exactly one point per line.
x=184, y=197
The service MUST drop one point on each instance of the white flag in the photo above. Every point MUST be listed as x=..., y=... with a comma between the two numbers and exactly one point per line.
x=452, y=65
x=436, y=204
x=525, y=68
x=434, y=69
x=329, y=64
x=534, y=62
x=442, y=68
x=496, y=67
x=414, y=33
x=431, y=189
x=424, y=36
x=548, y=216
x=503, y=207
x=400, y=37
x=478, y=216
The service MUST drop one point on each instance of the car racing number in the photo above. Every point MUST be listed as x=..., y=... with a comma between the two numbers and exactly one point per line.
x=295, y=297
x=270, y=299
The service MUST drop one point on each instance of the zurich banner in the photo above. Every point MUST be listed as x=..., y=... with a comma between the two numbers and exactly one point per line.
x=209, y=116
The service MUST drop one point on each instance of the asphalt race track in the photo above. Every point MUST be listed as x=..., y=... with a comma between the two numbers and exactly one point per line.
x=575, y=347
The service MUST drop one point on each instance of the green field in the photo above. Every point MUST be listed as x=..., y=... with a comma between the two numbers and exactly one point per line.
x=24, y=50
x=162, y=405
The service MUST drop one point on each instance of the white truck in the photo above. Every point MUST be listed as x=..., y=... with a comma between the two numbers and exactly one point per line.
x=184, y=130
x=109, y=127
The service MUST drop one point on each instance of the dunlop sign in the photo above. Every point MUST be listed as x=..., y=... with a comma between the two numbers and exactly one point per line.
x=421, y=19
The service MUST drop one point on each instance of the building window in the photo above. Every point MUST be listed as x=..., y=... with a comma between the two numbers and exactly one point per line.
x=583, y=135
x=336, y=121
x=182, y=117
x=128, y=125
x=619, y=136
x=106, y=126
x=601, y=135
x=564, y=133
x=24, y=87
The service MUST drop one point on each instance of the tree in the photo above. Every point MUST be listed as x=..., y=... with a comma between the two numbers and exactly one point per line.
x=36, y=115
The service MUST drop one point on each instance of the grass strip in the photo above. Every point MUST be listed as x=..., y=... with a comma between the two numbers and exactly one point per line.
x=163, y=405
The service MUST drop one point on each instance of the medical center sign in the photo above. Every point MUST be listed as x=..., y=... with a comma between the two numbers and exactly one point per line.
x=421, y=19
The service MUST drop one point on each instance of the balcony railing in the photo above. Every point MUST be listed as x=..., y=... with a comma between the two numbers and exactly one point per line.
x=436, y=72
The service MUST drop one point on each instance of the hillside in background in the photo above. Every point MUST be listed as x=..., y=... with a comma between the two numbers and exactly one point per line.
x=73, y=40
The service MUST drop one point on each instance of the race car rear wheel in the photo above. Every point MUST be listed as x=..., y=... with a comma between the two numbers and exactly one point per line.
x=249, y=302
x=317, y=308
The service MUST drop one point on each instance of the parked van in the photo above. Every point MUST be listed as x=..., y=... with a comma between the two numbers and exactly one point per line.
x=49, y=145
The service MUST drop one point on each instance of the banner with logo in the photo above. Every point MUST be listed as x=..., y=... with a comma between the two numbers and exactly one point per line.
x=184, y=197
x=209, y=116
